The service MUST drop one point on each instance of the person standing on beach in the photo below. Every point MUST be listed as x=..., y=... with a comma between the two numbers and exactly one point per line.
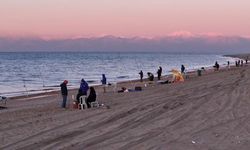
x=141, y=75
x=64, y=92
x=182, y=69
x=159, y=72
x=228, y=64
x=216, y=66
x=84, y=87
x=104, y=82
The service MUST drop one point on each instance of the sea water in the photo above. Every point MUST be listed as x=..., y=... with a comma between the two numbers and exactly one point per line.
x=31, y=72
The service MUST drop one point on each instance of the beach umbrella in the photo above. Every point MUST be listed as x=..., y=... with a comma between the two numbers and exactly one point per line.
x=177, y=75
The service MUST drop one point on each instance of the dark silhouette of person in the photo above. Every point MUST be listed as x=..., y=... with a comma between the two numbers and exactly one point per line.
x=216, y=66
x=141, y=75
x=79, y=94
x=64, y=92
x=91, y=97
x=104, y=82
x=159, y=72
x=84, y=87
x=182, y=68
x=150, y=76
x=241, y=62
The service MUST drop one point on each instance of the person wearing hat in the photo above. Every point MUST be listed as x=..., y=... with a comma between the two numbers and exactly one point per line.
x=64, y=92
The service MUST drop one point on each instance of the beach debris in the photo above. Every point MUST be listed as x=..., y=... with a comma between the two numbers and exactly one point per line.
x=238, y=139
x=193, y=142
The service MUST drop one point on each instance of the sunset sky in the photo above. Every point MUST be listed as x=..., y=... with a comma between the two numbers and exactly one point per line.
x=126, y=18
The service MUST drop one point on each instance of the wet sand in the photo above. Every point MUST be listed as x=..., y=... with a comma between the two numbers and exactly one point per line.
x=210, y=112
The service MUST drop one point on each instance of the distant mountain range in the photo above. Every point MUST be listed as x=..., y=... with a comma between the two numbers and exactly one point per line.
x=171, y=44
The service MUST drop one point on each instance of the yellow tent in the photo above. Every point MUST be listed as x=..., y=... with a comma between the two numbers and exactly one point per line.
x=177, y=76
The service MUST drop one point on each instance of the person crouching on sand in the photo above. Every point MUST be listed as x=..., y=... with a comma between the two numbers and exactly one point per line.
x=64, y=92
x=150, y=76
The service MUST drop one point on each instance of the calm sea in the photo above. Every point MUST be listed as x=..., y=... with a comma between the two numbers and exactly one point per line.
x=30, y=72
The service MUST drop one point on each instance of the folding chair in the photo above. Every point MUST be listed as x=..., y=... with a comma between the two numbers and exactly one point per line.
x=82, y=104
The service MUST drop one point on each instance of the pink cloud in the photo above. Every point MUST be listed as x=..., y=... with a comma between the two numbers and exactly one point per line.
x=184, y=34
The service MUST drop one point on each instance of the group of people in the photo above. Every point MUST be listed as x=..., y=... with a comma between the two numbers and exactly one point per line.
x=159, y=73
x=239, y=63
x=151, y=75
x=83, y=90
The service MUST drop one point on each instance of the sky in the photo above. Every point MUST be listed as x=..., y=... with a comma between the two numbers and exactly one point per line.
x=124, y=18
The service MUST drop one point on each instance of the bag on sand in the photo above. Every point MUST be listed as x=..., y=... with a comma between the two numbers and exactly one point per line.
x=138, y=88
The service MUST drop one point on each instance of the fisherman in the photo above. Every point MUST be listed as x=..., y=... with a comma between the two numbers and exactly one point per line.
x=159, y=72
x=141, y=75
x=64, y=92
x=182, y=69
x=104, y=82
x=216, y=66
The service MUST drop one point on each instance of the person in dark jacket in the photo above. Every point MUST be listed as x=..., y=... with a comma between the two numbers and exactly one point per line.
x=84, y=87
x=150, y=76
x=141, y=75
x=91, y=97
x=64, y=92
x=104, y=82
x=79, y=94
x=159, y=72
x=216, y=66
x=182, y=69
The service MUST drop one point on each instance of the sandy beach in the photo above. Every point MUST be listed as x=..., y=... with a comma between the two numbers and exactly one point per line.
x=209, y=112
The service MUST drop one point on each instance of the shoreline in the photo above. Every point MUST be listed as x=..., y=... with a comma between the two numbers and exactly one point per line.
x=167, y=76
